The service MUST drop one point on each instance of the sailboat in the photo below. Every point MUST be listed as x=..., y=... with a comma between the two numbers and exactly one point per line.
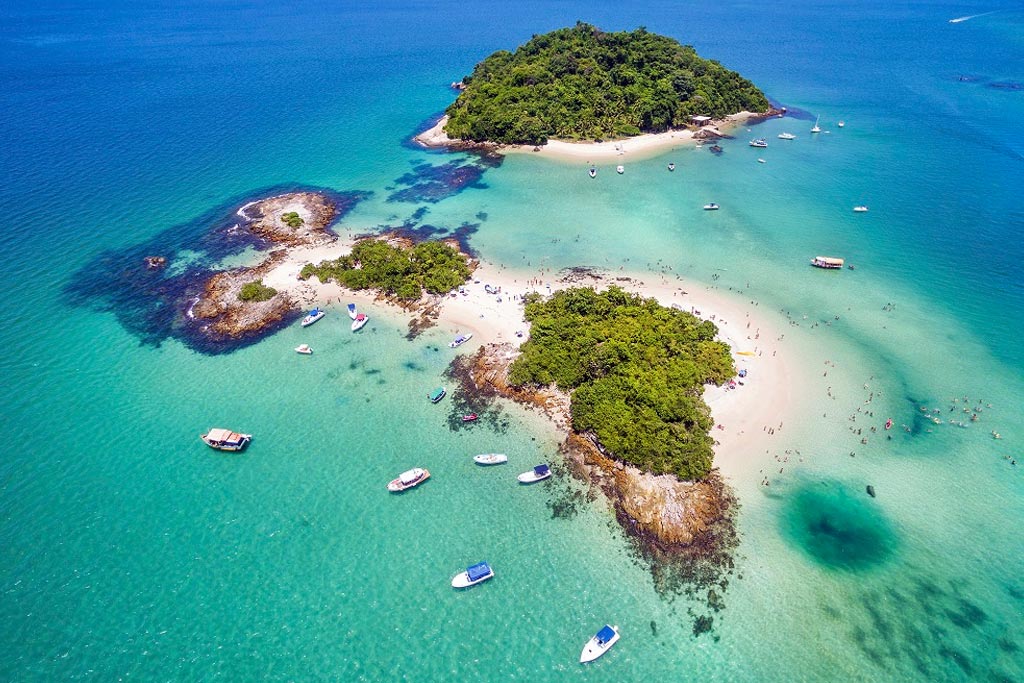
x=817, y=128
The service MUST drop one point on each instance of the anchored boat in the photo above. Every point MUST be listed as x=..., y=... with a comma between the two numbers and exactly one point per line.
x=460, y=340
x=436, y=395
x=536, y=474
x=225, y=439
x=477, y=573
x=408, y=479
x=826, y=262
x=599, y=644
x=490, y=458
x=313, y=316
x=359, y=321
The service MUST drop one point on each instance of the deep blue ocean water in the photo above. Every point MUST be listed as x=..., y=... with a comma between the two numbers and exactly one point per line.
x=129, y=551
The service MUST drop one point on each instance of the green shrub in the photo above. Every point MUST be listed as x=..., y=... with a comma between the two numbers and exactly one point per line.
x=292, y=219
x=256, y=291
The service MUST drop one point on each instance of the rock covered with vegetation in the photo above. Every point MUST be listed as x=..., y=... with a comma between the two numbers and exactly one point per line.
x=636, y=372
x=402, y=271
x=582, y=83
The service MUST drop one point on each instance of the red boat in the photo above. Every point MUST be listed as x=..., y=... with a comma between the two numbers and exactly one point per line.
x=888, y=423
x=470, y=417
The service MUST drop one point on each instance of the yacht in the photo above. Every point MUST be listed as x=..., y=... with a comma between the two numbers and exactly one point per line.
x=787, y=136
x=408, y=479
x=759, y=142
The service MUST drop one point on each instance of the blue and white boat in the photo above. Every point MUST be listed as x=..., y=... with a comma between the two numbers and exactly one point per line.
x=478, y=573
x=536, y=474
x=599, y=644
x=352, y=311
x=313, y=316
x=460, y=340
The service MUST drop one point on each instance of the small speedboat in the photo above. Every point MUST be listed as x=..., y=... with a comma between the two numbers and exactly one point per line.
x=459, y=340
x=600, y=643
x=711, y=207
x=436, y=395
x=841, y=124
x=490, y=459
x=671, y=165
x=759, y=142
x=538, y=473
x=313, y=316
x=225, y=439
x=888, y=423
x=472, y=417
x=478, y=573
x=303, y=349
x=408, y=479
x=592, y=172
x=352, y=311
x=359, y=321
x=761, y=161
x=620, y=169
x=860, y=209
x=787, y=136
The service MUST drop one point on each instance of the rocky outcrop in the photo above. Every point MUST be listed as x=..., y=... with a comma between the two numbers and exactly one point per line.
x=315, y=210
x=661, y=510
x=222, y=315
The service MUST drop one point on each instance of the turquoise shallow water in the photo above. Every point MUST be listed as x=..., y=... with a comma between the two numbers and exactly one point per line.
x=130, y=550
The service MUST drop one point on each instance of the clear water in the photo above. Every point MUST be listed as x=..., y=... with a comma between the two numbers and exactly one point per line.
x=130, y=550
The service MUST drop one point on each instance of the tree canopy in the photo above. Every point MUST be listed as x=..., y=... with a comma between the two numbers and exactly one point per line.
x=582, y=83
x=636, y=372
x=400, y=272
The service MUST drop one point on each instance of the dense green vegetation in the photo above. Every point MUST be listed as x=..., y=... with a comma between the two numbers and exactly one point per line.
x=581, y=83
x=636, y=371
x=256, y=291
x=404, y=273
x=292, y=219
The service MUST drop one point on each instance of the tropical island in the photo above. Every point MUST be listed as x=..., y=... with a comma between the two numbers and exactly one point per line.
x=582, y=84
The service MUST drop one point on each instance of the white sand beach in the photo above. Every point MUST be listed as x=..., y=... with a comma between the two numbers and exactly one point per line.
x=746, y=416
x=634, y=148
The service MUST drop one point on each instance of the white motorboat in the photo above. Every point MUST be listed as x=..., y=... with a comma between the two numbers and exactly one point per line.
x=620, y=169
x=600, y=643
x=759, y=142
x=817, y=128
x=787, y=136
x=761, y=161
x=860, y=209
x=303, y=349
x=313, y=316
x=460, y=340
x=538, y=473
x=711, y=207
x=359, y=321
x=671, y=165
x=593, y=172
x=490, y=459
x=352, y=311
x=841, y=124
x=478, y=573
x=408, y=479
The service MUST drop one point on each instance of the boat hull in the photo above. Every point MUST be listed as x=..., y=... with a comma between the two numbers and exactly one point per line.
x=397, y=485
x=595, y=648
x=463, y=581
x=310, y=319
x=360, y=323
x=228, y=447
x=490, y=459
x=532, y=477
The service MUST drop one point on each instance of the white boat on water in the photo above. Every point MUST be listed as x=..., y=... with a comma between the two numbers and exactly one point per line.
x=593, y=172
x=459, y=340
x=860, y=209
x=408, y=479
x=841, y=124
x=352, y=311
x=817, y=128
x=478, y=573
x=490, y=458
x=225, y=439
x=313, y=316
x=538, y=473
x=359, y=321
x=759, y=142
x=671, y=165
x=787, y=136
x=600, y=643
x=303, y=349
x=711, y=207
x=761, y=161
x=620, y=169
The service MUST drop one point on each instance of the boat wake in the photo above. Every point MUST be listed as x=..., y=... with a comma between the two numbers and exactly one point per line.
x=971, y=16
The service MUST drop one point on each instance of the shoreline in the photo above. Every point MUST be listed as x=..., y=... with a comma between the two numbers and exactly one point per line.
x=766, y=399
x=639, y=147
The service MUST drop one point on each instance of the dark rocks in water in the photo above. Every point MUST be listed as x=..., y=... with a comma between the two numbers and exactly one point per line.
x=871, y=490
x=716, y=149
